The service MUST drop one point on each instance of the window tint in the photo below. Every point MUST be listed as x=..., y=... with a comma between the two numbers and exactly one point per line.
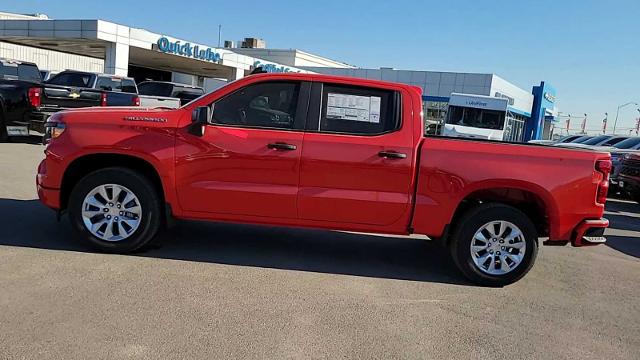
x=581, y=139
x=155, y=88
x=271, y=105
x=478, y=118
x=358, y=111
x=128, y=86
x=613, y=141
x=29, y=73
x=109, y=84
x=596, y=140
x=628, y=144
x=71, y=79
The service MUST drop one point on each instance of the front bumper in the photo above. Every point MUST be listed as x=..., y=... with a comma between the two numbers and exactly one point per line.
x=590, y=232
x=48, y=196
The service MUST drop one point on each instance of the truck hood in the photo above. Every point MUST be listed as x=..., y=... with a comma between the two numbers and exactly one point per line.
x=122, y=115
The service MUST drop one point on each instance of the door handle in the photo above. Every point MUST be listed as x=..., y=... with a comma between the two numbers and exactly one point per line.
x=281, y=146
x=392, y=155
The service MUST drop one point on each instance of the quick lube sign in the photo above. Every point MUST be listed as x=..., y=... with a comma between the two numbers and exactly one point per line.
x=273, y=68
x=187, y=49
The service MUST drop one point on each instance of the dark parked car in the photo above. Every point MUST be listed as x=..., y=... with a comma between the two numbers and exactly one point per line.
x=20, y=85
x=629, y=177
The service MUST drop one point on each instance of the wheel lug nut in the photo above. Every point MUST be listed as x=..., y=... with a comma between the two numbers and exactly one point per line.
x=118, y=206
x=497, y=252
x=120, y=213
x=110, y=204
x=501, y=241
x=108, y=217
x=502, y=248
x=510, y=241
x=105, y=210
x=116, y=218
x=490, y=251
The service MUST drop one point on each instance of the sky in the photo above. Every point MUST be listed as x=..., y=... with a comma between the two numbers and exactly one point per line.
x=588, y=50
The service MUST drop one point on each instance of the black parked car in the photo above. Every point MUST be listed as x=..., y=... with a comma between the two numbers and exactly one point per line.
x=629, y=177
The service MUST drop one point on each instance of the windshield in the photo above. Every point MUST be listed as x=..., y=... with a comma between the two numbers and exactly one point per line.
x=71, y=79
x=596, y=140
x=581, y=139
x=628, y=144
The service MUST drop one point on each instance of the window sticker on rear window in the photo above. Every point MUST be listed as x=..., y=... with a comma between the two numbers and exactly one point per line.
x=353, y=107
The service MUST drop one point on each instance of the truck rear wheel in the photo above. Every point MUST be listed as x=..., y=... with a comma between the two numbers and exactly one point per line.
x=115, y=210
x=494, y=244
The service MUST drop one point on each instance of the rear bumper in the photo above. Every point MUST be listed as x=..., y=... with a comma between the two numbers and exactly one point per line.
x=590, y=232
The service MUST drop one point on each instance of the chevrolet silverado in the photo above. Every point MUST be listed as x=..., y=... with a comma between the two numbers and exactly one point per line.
x=325, y=152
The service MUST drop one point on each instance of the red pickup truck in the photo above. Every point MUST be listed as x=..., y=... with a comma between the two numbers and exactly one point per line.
x=321, y=152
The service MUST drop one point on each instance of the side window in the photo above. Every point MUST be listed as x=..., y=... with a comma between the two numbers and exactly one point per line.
x=29, y=73
x=269, y=105
x=359, y=111
x=128, y=86
x=109, y=84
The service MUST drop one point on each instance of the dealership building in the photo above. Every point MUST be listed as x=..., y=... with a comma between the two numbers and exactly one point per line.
x=107, y=47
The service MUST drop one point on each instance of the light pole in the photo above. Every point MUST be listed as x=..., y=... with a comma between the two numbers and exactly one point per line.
x=615, y=122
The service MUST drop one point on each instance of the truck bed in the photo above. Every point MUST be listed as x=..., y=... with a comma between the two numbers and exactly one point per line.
x=452, y=170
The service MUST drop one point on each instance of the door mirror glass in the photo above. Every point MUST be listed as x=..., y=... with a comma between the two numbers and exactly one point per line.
x=201, y=115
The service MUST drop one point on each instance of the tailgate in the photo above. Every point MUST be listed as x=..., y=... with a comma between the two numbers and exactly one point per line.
x=56, y=98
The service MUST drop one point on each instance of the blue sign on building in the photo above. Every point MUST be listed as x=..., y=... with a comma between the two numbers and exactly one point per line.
x=186, y=49
x=273, y=68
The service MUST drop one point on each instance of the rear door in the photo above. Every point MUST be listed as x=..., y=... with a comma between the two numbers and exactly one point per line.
x=247, y=161
x=358, y=156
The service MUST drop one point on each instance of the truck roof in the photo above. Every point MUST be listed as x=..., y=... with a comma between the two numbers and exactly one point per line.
x=17, y=62
x=349, y=79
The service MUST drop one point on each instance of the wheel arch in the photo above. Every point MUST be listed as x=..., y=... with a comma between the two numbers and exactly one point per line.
x=84, y=165
x=534, y=201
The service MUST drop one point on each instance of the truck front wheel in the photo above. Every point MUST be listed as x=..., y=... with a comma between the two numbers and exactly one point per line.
x=494, y=244
x=115, y=210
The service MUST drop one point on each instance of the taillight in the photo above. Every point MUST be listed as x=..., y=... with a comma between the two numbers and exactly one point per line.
x=35, y=96
x=103, y=99
x=604, y=167
x=136, y=101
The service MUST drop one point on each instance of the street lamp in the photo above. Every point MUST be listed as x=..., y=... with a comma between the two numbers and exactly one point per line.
x=615, y=122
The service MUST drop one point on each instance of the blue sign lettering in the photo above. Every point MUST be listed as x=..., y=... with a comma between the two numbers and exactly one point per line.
x=273, y=68
x=186, y=49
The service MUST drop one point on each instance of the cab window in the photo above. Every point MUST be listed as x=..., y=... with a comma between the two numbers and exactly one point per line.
x=358, y=111
x=264, y=105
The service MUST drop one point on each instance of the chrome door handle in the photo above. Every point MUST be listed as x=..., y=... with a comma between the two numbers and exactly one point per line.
x=281, y=146
x=392, y=155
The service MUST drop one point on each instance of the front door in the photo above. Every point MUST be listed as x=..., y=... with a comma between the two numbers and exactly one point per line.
x=247, y=161
x=357, y=157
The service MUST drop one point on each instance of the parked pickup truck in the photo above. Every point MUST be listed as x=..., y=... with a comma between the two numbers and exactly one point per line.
x=19, y=84
x=26, y=102
x=71, y=89
x=167, y=94
x=323, y=152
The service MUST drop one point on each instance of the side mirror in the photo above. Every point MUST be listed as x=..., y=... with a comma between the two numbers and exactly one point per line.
x=201, y=116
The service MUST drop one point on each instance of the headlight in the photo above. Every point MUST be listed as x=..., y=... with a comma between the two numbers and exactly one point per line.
x=54, y=127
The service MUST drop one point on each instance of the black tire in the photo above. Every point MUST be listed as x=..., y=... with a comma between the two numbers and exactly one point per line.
x=472, y=221
x=4, y=135
x=149, y=201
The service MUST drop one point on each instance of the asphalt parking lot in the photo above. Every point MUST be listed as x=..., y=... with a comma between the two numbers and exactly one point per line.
x=230, y=291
